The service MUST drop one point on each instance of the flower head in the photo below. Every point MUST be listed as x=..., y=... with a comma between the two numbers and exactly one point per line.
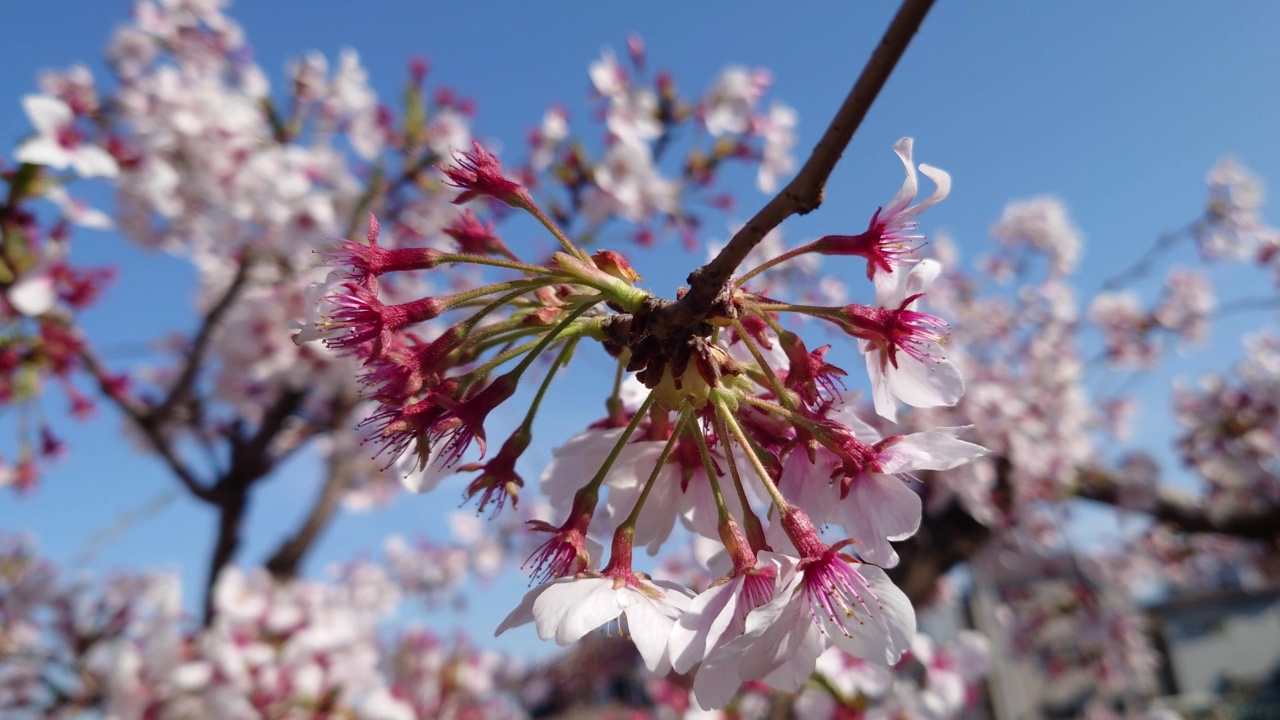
x=371, y=260
x=58, y=144
x=571, y=607
x=478, y=173
x=893, y=232
x=476, y=237
x=928, y=379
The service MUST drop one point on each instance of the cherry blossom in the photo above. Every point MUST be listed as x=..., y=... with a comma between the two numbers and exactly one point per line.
x=568, y=608
x=58, y=143
x=920, y=376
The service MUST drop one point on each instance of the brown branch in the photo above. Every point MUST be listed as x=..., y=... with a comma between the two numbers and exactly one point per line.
x=1185, y=512
x=287, y=558
x=943, y=541
x=199, y=346
x=140, y=415
x=952, y=536
x=232, y=501
x=250, y=462
x=152, y=419
x=804, y=193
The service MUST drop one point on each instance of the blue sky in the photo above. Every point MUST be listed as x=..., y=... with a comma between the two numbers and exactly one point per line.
x=1118, y=108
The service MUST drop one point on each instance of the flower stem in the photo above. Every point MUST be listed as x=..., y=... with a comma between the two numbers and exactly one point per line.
x=731, y=424
x=555, y=230
x=594, y=485
x=565, y=353
x=772, y=262
x=524, y=285
x=722, y=510
x=467, y=258
x=553, y=335
x=780, y=390
x=634, y=516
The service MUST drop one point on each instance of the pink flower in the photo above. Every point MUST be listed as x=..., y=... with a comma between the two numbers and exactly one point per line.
x=58, y=144
x=719, y=614
x=475, y=237
x=441, y=425
x=776, y=160
x=362, y=318
x=830, y=599
x=870, y=494
x=372, y=260
x=924, y=377
x=571, y=607
x=478, y=173
x=892, y=233
x=730, y=104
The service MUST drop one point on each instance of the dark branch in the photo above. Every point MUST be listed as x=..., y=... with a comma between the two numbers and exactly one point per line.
x=232, y=501
x=1184, y=512
x=944, y=540
x=141, y=416
x=287, y=558
x=199, y=345
x=804, y=193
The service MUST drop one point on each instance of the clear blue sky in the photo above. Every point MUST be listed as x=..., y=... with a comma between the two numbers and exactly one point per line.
x=1119, y=108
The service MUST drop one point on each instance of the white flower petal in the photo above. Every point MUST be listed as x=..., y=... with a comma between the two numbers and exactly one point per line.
x=46, y=113
x=43, y=151
x=33, y=295
x=937, y=449
x=650, y=629
x=93, y=161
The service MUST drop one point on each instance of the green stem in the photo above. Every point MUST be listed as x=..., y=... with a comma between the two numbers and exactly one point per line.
x=779, y=389
x=769, y=320
x=464, y=258
x=565, y=353
x=755, y=530
x=554, y=335
x=555, y=230
x=785, y=413
x=614, y=403
x=818, y=311
x=499, y=337
x=630, y=523
x=794, y=253
x=731, y=423
x=594, y=485
x=499, y=359
x=524, y=285
x=534, y=348
x=722, y=510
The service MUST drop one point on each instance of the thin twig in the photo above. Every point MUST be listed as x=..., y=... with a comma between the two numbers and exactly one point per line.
x=140, y=416
x=285, y=561
x=1247, y=304
x=1184, y=512
x=200, y=344
x=1143, y=265
x=804, y=193
x=287, y=558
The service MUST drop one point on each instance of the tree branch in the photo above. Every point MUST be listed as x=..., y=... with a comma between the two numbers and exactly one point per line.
x=141, y=416
x=804, y=193
x=199, y=345
x=287, y=558
x=232, y=501
x=1184, y=512
x=943, y=541
x=952, y=536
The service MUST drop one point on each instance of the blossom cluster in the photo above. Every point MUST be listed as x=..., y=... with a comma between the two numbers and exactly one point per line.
x=735, y=428
x=124, y=647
